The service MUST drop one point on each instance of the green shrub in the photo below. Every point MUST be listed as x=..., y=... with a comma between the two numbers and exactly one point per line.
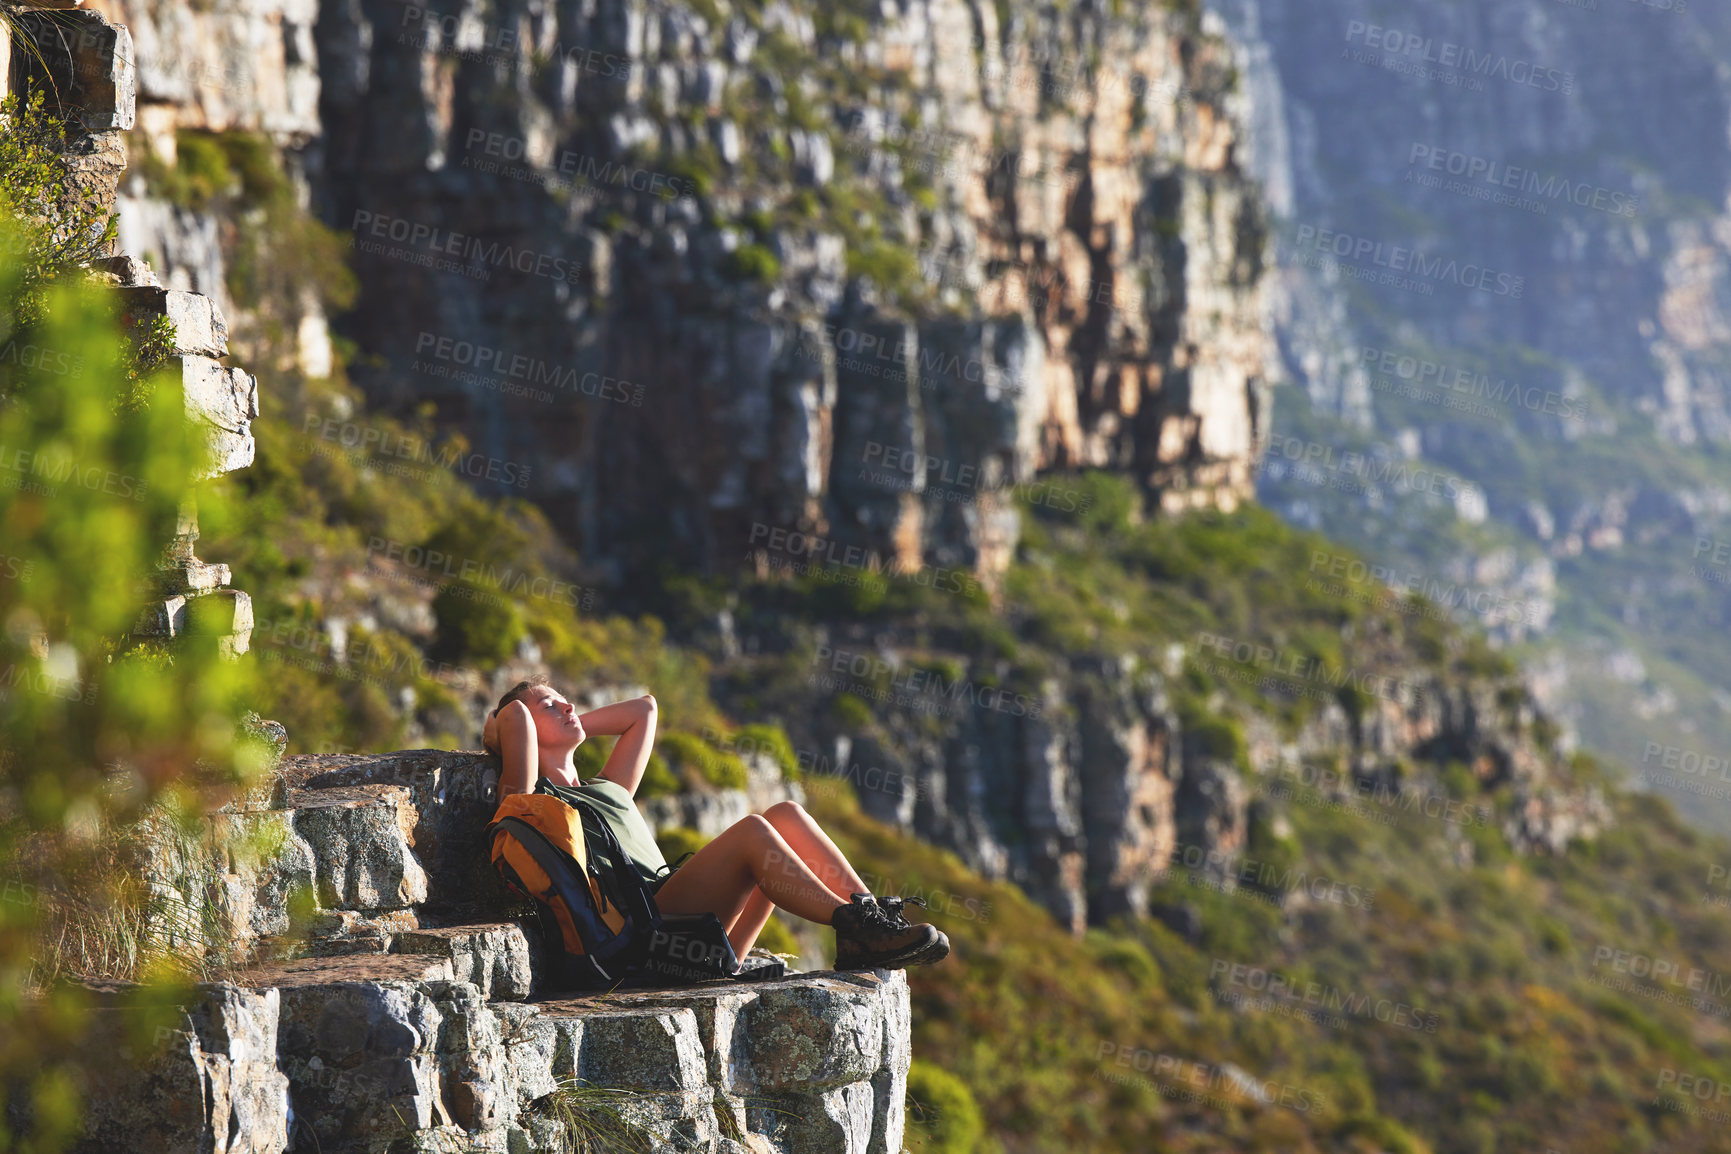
x=947, y=671
x=69, y=223
x=199, y=176
x=1126, y=955
x=777, y=938
x=773, y=740
x=753, y=262
x=476, y=624
x=149, y=345
x=658, y=780
x=1109, y=502
x=677, y=841
x=590, y=759
x=252, y=159
x=942, y=1116
x=761, y=223
x=564, y=645
x=689, y=754
x=848, y=21
x=1478, y=659
x=890, y=266
x=851, y=711
x=1215, y=736
x=1385, y=1133
x=1458, y=780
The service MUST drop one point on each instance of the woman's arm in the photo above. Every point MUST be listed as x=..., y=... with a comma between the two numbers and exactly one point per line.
x=514, y=730
x=634, y=722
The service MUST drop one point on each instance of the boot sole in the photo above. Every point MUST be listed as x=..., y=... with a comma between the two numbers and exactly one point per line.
x=899, y=959
x=935, y=950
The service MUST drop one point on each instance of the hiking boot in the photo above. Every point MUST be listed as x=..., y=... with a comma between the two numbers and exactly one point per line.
x=940, y=947
x=869, y=937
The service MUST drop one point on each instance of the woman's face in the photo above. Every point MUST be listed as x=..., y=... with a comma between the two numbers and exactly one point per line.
x=556, y=723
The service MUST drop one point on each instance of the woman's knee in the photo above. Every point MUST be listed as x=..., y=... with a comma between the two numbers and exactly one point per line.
x=755, y=828
x=785, y=811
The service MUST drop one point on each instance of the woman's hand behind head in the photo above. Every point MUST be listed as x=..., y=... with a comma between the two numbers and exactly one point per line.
x=514, y=736
x=517, y=711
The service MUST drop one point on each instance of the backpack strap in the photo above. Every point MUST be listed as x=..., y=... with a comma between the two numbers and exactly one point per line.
x=669, y=870
x=629, y=892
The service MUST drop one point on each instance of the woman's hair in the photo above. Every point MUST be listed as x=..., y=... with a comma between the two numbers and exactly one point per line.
x=516, y=693
x=520, y=690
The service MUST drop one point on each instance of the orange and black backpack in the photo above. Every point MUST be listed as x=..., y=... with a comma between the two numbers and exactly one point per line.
x=598, y=918
x=595, y=911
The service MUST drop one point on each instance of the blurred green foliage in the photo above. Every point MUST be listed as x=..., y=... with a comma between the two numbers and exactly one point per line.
x=94, y=731
x=942, y=1116
x=699, y=762
x=677, y=841
x=754, y=262
x=475, y=624
x=773, y=741
x=778, y=939
x=1093, y=1043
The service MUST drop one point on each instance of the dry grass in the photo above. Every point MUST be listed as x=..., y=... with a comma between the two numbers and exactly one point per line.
x=132, y=904
x=597, y=1120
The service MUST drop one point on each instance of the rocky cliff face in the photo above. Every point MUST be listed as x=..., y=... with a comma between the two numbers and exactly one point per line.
x=1584, y=396
x=1090, y=792
x=821, y=273
x=708, y=273
x=1519, y=107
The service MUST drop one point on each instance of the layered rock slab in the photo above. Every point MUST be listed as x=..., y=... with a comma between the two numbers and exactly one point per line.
x=369, y=1054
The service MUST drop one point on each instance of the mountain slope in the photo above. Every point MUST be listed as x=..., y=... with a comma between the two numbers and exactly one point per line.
x=1095, y=1044
x=1578, y=151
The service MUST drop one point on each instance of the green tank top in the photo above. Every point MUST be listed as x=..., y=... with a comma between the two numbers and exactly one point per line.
x=614, y=805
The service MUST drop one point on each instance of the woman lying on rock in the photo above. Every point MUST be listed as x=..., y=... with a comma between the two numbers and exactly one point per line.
x=777, y=858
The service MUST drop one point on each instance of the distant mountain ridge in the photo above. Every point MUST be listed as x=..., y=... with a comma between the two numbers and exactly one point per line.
x=1579, y=151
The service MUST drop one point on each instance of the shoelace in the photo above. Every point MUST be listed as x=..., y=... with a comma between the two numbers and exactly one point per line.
x=891, y=908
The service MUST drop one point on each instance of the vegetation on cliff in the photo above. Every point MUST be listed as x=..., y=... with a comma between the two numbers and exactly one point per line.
x=1474, y=1003
x=1446, y=991
x=95, y=462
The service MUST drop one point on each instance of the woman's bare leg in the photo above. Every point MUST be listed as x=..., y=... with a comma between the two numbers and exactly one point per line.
x=748, y=857
x=744, y=930
x=820, y=855
x=815, y=849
